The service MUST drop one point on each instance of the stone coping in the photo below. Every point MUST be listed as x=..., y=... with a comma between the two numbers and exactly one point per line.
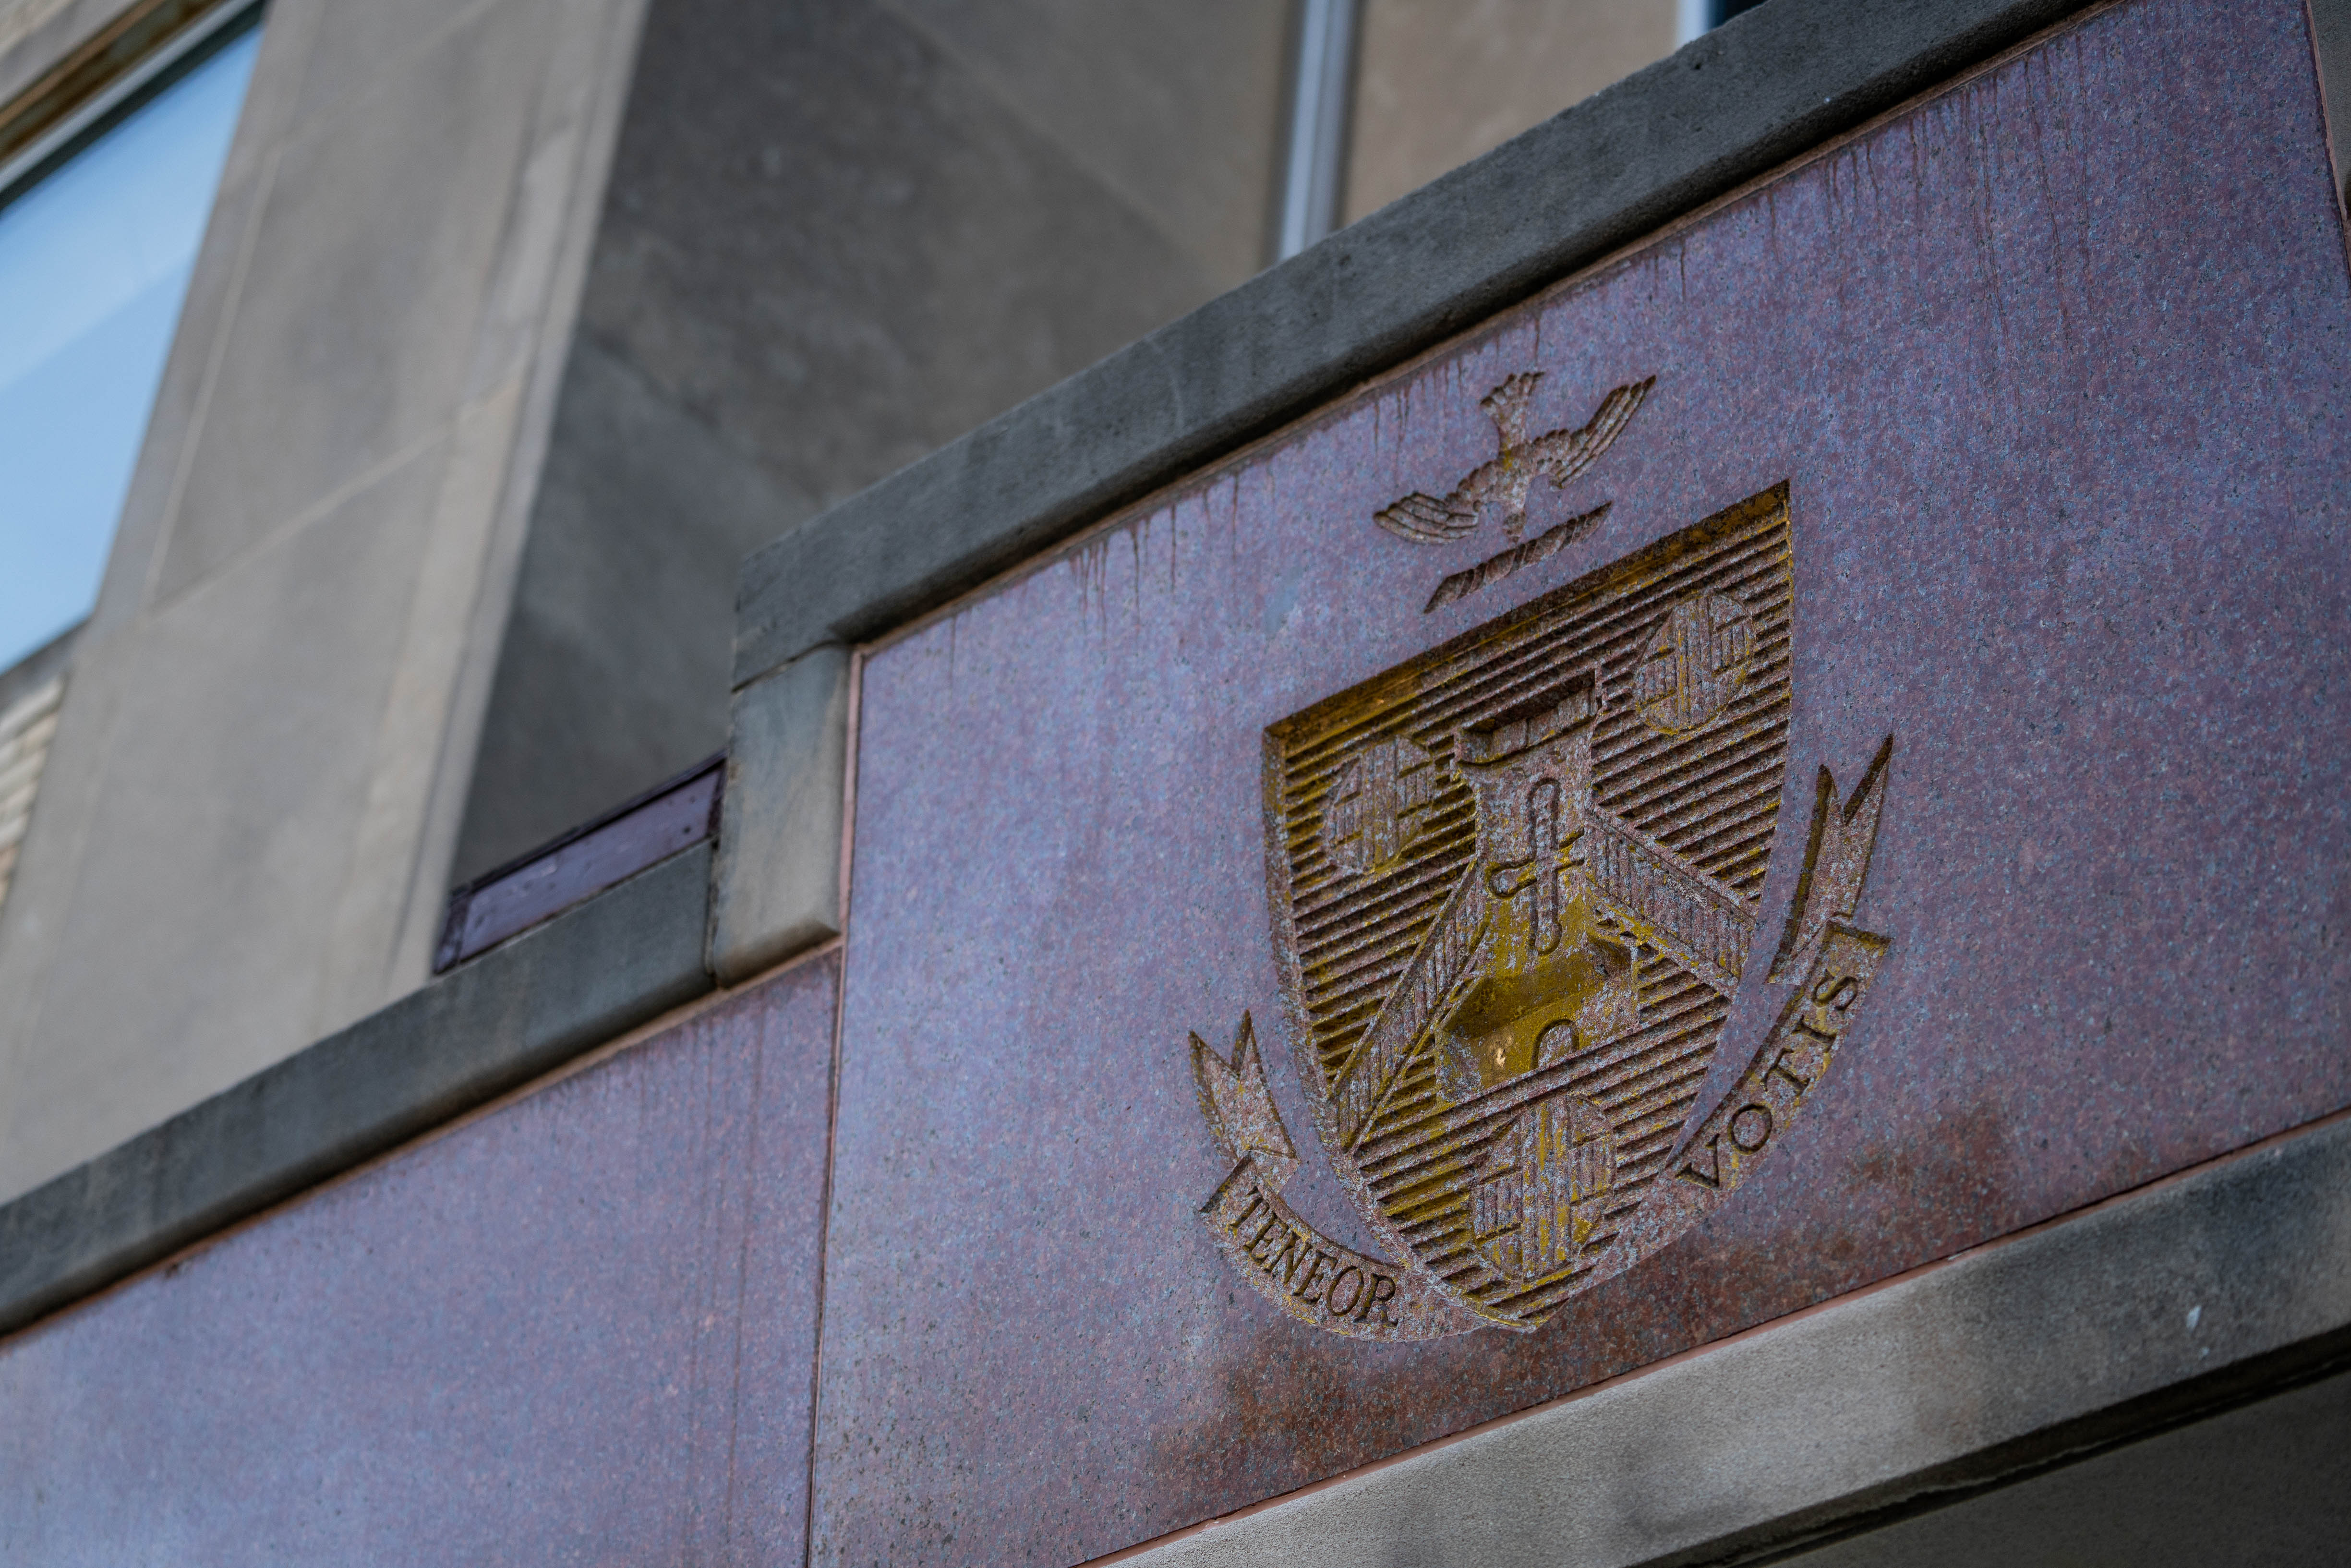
x=1762, y=88
x=595, y=971
x=2218, y=1285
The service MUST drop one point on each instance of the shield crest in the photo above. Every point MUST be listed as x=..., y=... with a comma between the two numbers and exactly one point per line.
x=1515, y=884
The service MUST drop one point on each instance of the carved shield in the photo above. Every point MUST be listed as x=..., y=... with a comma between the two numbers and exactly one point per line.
x=1515, y=884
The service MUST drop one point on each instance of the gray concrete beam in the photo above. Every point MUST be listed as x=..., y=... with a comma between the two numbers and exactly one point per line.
x=2058, y=1342
x=2258, y=1482
x=1764, y=89
x=520, y=1010
x=777, y=881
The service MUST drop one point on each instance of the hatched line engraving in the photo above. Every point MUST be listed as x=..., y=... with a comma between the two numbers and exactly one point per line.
x=1516, y=884
x=1493, y=569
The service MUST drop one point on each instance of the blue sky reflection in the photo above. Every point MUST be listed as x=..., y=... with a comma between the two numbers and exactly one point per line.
x=94, y=263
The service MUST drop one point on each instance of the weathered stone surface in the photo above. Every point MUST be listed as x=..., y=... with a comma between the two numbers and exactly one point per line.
x=600, y=1297
x=388, y=902
x=576, y=1329
x=598, y=969
x=2039, y=388
x=1999, y=1364
x=778, y=876
x=2059, y=420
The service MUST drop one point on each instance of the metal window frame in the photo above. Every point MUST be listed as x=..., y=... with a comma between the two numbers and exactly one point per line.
x=91, y=89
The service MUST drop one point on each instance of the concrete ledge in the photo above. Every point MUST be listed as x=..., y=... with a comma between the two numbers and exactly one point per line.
x=778, y=887
x=611, y=963
x=2156, y=1307
x=1762, y=90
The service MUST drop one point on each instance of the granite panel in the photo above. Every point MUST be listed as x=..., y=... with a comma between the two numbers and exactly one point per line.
x=592, y=973
x=576, y=1329
x=2049, y=365
x=1966, y=1378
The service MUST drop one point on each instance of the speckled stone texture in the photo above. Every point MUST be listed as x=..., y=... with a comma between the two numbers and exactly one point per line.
x=575, y=1331
x=2053, y=364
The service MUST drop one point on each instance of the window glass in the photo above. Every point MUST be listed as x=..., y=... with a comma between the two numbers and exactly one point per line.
x=94, y=262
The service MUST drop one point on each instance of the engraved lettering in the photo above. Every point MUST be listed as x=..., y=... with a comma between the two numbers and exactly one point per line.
x=1477, y=874
x=1712, y=1175
x=1330, y=1301
x=1269, y=1244
x=1760, y=1127
x=1780, y=1068
x=1836, y=991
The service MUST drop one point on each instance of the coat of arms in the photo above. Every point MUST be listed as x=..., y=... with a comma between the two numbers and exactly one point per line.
x=1516, y=883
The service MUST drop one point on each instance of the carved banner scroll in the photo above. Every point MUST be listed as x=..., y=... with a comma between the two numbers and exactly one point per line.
x=1284, y=1259
x=1516, y=885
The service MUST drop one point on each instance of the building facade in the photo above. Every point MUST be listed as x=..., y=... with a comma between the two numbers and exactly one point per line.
x=1423, y=783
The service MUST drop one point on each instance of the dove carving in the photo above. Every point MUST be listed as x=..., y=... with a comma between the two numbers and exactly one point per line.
x=1503, y=483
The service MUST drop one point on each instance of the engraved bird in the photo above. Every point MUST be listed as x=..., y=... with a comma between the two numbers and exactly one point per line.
x=1559, y=455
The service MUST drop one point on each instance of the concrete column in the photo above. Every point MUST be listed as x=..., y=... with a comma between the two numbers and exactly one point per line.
x=245, y=819
x=839, y=234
